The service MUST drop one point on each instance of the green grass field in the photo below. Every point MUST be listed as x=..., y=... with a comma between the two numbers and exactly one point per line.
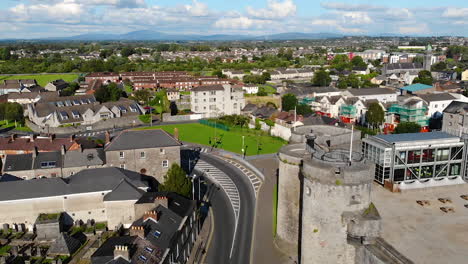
x=42, y=79
x=268, y=88
x=230, y=140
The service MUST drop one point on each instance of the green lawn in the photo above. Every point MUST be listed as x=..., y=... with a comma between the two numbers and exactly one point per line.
x=128, y=89
x=268, y=88
x=230, y=140
x=42, y=79
x=11, y=124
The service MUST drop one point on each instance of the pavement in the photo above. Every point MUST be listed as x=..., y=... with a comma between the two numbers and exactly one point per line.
x=224, y=222
x=264, y=249
x=198, y=254
x=425, y=234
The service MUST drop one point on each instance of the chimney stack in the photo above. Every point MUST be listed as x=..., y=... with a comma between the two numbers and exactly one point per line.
x=107, y=137
x=63, y=150
x=121, y=251
x=137, y=231
x=161, y=200
x=151, y=214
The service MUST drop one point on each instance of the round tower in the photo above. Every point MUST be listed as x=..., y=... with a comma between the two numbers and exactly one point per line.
x=336, y=207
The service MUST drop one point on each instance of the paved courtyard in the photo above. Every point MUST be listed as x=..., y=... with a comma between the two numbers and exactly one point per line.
x=425, y=234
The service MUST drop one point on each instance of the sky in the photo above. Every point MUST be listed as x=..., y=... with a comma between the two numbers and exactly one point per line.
x=61, y=18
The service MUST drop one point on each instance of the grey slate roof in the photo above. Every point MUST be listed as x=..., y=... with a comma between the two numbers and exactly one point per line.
x=123, y=192
x=85, y=181
x=213, y=87
x=105, y=253
x=64, y=245
x=87, y=157
x=18, y=162
x=456, y=107
x=371, y=91
x=437, y=97
x=55, y=156
x=394, y=138
x=140, y=139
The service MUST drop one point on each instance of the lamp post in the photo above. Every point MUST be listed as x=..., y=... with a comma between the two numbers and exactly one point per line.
x=243, y=150
x=193, y=186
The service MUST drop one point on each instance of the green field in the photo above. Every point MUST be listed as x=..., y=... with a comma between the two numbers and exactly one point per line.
x=230, y=140
x=42, y=79
x=11, y=124
x=268, y=88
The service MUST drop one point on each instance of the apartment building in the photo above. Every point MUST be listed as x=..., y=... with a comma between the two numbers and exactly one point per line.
x=217, y=100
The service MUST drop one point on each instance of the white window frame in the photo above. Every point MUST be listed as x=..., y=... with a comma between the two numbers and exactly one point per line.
x=142, y=155
x=165, y=163
x=122, y=155
x=122, y=166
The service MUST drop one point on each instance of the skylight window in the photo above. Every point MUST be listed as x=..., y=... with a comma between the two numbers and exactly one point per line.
x=148, y=249
x=157, y=234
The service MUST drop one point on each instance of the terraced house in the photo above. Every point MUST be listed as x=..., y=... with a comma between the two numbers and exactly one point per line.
x=82, y=109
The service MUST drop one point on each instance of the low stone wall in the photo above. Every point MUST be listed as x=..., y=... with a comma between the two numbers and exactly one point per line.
x=168, y=118
x=102, y=125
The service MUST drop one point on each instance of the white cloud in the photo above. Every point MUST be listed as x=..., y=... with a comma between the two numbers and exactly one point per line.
x=419, y=29
x=275, y=9
x=197, y=8
x=324, y=22
x=452, y=12
x=399, y=13
x=356, y=18
x=65, y=12
x=350, y=7
x=241, y=22
x=337, y=25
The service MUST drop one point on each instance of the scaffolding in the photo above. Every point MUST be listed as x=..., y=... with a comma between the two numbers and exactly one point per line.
x=410, y=114
x=349, y=111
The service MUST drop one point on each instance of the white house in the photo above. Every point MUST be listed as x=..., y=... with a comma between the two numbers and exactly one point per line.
x=250, y=88
x=217, y=100
x=383, y=95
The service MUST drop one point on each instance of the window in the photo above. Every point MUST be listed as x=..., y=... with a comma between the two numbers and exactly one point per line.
x=162, y=151
x=48, y=164
x=122, y=166
x=457, y=153
x=213, y=93
x=442, y=154
x=104, y=115
x=441, y=170
x=196, y=108
x=414, y=156
x=143, y=258
x=142, y=155
x=122, y=154
x=401, y=158
x=165, y=163
x=212, y=107
x=455, y=169
x=53, y=175
x=148, y=249
x=196, y=101
x=157, y=234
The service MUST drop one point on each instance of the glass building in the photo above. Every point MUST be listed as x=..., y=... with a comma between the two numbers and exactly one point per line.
x=416, y=156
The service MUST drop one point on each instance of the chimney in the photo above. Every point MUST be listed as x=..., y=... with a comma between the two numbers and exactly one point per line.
x=52, y=137
x=72, y=138
x=151, y=214
x=35, y=152
x=137, y=231
x=161, y=200
x=121, y=251
x=32, y=137
x=63, y=150
x=107, y=137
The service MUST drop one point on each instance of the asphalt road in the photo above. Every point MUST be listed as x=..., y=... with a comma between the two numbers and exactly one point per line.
x=244, y=232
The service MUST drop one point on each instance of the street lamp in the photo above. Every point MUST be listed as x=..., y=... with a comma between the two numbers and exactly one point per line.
x=243, y=150
x=193, y=186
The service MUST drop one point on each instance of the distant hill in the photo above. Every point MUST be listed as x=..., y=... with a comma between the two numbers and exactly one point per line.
x=159, y=36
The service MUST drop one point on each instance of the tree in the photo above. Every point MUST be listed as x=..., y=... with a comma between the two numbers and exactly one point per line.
x=440, y=66
x=357, y=61
x=321, y=78
x=266, y=76
x=303, y=109
x=424, y=77
x=270, y=123
x=288, y=101
x=407, y=127
x=375, y=115
x=262, y=92
x=110, y=92
x=176, y=181
x=141, y=95
x=127, y=51
x=342, y=82
x=12, y=112
x=174, y=109
x=353, y=81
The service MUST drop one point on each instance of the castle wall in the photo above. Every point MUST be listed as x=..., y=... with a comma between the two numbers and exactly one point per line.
x=288, y=201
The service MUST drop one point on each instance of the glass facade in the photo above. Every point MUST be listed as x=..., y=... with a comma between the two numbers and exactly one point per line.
x=415, y=163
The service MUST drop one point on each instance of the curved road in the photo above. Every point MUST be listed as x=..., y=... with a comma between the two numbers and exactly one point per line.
x=220, y=246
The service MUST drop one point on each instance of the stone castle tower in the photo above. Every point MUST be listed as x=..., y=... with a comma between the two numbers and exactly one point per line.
x=428, y=58
x=325, y=214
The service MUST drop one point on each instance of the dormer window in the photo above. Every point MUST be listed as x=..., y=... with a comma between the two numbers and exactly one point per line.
x=157, y=234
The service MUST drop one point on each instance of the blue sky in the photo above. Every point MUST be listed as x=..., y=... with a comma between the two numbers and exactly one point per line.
x=49, y=18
